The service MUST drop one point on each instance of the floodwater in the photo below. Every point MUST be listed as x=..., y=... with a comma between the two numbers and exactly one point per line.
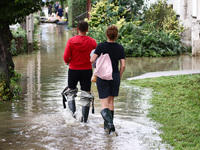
x=39, y=122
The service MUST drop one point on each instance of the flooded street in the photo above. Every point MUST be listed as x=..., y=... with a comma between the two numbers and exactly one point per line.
x=39, y=122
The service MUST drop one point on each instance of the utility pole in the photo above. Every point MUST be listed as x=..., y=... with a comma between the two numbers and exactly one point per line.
x=29, y=31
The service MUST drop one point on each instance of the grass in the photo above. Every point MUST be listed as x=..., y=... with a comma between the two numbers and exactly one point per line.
x=176, y=106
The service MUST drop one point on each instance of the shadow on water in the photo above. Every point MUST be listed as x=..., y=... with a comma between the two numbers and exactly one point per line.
x=38, y=120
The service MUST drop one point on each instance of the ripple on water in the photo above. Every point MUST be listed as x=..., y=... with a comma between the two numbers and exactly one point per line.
x=61, y=131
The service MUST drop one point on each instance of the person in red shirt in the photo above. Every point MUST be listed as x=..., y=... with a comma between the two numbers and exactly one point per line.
x=77, y=55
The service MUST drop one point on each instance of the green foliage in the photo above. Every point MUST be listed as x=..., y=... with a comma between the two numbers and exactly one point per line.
x=109, y=12
x=65, y=3
x=36, y=21
x=14, y=11
x=42, y=13
x=19, y=38
x=142, y=42
x=14, y=90
x=155, y=36
x=76, y=8
x=19, y=33
x=98, y=33
x=36, y=33
x=164, y=19
x=36, y=45
x=93, y=2
x=13, y=49
x=176, y=107
x=138, y=41
x=98, y=14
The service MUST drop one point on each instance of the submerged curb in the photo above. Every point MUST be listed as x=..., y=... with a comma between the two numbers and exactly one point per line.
x=165, y=73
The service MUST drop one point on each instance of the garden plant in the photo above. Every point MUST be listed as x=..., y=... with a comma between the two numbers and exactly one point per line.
x=147, y=34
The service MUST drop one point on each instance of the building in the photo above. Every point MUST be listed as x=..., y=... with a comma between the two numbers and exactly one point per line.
x=188, y=12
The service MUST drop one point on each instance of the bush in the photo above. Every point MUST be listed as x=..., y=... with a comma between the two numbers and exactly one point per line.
x=164, y=19
x=109, y=12
x=138, y=42
x=19, y=42
x=157, y=36
x=98, y=33
x=36, y=20
x=13, y=91
x=76, y=8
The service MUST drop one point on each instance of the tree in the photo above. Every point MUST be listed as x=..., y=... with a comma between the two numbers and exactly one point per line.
x=12, y=12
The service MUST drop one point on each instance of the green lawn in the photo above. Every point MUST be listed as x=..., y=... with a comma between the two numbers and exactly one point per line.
x=176, y=106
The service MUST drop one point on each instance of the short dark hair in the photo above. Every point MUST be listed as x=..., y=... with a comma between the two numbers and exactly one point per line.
x=82, y=26
x=112, y=32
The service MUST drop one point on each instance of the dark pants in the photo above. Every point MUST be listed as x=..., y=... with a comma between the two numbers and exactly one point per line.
x=82, y=76
x=108, y=87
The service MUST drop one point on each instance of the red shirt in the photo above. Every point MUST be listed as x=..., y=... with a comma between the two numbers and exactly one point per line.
x=77, y=52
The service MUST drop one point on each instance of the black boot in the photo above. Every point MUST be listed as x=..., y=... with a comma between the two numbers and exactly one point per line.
x=70, y=97
x=107, y=116
x=72, y=106
x=85, y=113
x=112, y=113
x=86, y=99
x=106, y=123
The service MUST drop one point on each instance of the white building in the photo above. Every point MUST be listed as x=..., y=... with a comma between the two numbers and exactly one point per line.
x=189, y=14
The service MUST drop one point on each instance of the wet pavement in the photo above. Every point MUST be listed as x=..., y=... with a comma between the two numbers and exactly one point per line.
x=38, y=120
x=165, y=73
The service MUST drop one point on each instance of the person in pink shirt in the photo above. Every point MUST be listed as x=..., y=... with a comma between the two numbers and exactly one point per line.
x=77, y=56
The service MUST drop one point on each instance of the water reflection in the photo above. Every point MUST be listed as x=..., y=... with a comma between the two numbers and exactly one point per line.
x=38, y=120
x=138, y=66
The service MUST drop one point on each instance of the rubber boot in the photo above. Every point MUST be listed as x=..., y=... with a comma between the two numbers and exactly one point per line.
x=85, y=113
x=112, y=113
x=86, y=99
x=106, y=123
x=107, y=116
x=72, y=106
x=70, y=97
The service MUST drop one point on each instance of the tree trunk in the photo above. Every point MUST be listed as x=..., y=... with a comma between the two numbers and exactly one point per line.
x=88, y=8
x=6, y=62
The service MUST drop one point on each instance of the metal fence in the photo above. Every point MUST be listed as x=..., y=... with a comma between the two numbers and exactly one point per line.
x=79, y=18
